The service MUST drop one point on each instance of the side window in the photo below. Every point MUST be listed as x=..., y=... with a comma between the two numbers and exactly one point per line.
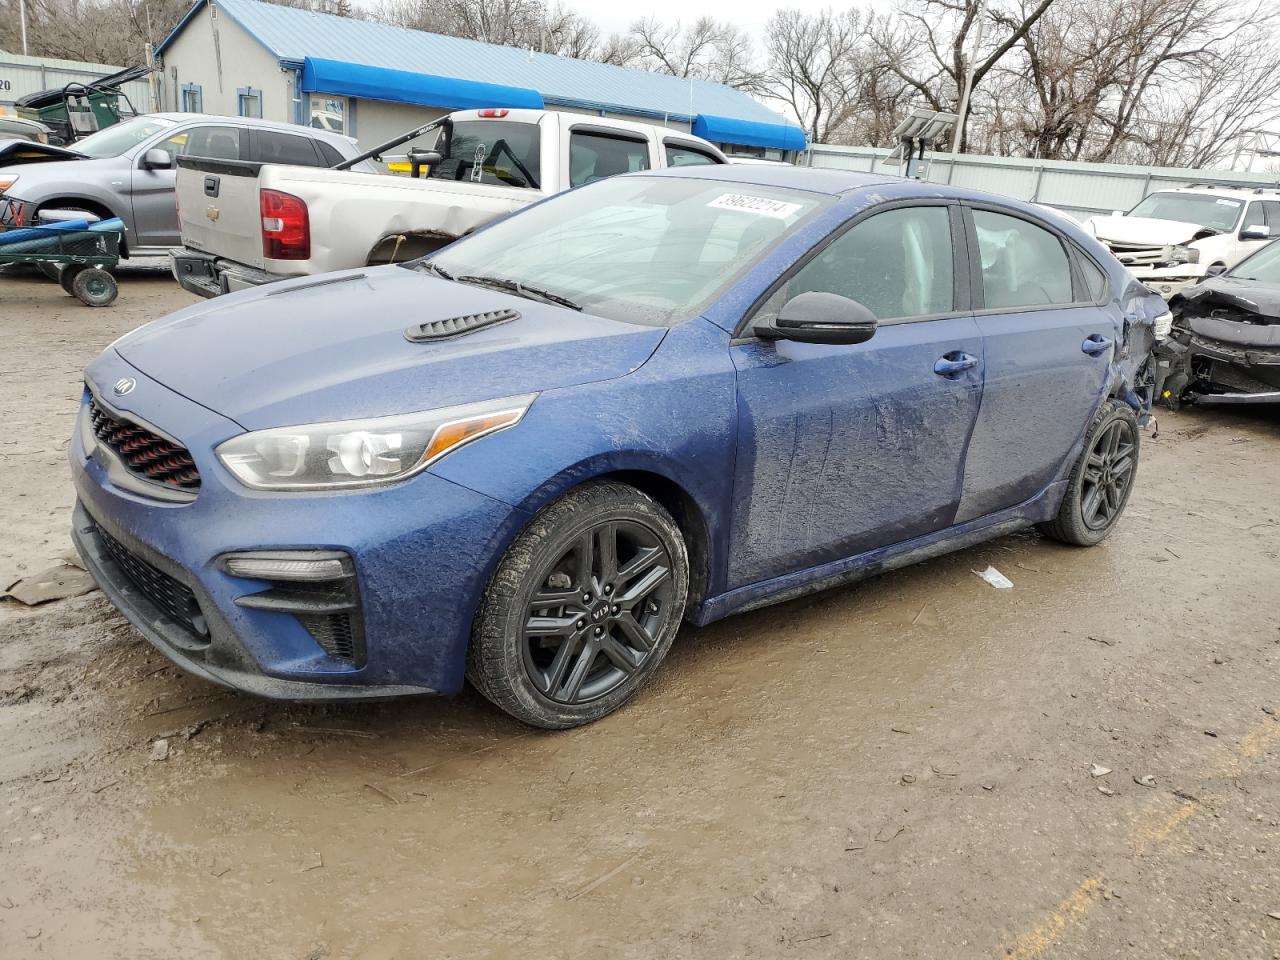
x=1023, y=265
x=1271, y=209
x=1253, y=216
x=593, y=157
x=898, y=264
x=678, y=156
x=268, y=146
x=329, y=154
x=1095, y=281
x=214, y=143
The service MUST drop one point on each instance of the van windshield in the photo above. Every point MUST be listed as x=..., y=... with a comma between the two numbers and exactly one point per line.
x=1220, y=213
x=499, y=152
x=121, y=137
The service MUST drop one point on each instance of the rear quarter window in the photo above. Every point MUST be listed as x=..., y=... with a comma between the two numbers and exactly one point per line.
x=269, y=146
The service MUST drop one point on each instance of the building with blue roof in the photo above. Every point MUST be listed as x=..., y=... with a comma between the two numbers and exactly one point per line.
x=373, y=80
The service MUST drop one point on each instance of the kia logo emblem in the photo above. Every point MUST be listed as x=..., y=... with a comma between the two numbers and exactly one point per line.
x=124, y=385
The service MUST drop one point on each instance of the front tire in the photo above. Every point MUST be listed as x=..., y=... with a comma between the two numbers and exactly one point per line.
x=1101, y=481
x=582, y=608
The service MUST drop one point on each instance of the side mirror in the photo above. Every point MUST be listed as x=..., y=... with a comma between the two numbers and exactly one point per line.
x=1255, y=232
x=1215, y=270
x=817, y=317
x=1117, y=213
x=157, y=159
x=422, y=158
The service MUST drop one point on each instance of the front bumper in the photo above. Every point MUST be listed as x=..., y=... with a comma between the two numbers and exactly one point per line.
x=1168, y=281
x=421, y=551
x=209, y=276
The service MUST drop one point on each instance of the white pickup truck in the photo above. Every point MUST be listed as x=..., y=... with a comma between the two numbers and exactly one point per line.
x=245, y=224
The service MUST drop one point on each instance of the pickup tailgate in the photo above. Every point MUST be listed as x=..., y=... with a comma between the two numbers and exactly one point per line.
x=219, y=210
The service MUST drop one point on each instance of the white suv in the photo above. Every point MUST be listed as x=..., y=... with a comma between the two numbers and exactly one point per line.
x=1174, y=238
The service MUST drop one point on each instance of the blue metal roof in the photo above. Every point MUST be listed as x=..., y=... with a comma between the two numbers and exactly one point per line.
x=292, y=35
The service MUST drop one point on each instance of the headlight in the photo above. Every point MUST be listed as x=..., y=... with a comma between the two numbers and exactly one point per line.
x=6, y=183
x=1162, y=325
x=1180, y=254
x=351, y=453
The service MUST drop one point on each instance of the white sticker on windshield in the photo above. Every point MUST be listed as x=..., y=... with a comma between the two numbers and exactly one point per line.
x=760, y=206
x=1229, y=203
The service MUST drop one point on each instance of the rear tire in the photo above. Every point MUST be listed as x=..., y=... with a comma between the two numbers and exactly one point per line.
x=95, y=287
x=582, y=608
x=1101, y=481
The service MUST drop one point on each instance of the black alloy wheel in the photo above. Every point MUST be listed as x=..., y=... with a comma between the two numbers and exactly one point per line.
x=1108, y=474
x=597, y=615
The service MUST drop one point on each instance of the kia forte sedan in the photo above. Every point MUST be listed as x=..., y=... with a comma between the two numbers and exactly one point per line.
x=662, y=397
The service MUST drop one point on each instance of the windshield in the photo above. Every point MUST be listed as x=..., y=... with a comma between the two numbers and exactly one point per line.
x=1220, y=213
x=117, y=139
x=1263, y=265
x=651, y=250
x=490, y=151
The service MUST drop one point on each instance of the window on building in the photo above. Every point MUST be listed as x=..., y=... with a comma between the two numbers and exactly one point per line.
x=898, y=264
x=249, y=102
x=271, y=146
x=682, y=156
x=192, y=98
x=593, y=156
x=1022, y=265
x=329, y=113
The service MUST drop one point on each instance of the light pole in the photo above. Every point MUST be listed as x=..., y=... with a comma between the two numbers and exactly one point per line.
x=963, y=113
x=22, y=18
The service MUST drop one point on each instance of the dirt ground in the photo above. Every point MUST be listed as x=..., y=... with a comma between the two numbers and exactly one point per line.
x=896, y=770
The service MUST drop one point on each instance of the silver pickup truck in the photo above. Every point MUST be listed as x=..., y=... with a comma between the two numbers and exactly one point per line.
x=245, y=224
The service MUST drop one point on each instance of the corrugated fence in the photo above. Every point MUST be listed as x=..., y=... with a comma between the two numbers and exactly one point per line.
x=1081, y=189
x=21, y=75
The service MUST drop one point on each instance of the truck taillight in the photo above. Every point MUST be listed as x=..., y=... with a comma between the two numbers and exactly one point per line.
x=491, y=113
x=286, y=231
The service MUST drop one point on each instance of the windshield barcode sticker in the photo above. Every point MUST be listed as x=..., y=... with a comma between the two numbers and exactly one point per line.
x=760, y=206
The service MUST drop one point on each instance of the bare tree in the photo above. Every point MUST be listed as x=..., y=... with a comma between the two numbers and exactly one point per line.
x=706, y=50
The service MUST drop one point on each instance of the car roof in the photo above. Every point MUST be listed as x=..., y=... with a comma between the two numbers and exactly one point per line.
x=316, y=132
x=1235, y=193
x=831, y=182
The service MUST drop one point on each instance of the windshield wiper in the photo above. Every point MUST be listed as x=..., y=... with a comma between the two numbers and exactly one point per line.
x=435, y=268
x=520, y=290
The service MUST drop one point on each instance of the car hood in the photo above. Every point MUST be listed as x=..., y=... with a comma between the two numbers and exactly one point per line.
x=17, y=152
x=334, y=348
x=1252, y=297
x=1144, y=230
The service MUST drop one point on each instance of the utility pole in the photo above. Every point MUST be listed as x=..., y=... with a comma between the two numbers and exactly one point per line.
x=972, y=59
x=22, y=17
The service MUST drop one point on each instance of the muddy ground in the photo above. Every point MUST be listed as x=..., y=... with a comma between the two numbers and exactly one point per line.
x=895, y=770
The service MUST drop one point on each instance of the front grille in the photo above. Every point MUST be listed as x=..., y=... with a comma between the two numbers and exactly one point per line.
x=1136, y=254
x=333, y=631
x=174, y=599
x=146, y=454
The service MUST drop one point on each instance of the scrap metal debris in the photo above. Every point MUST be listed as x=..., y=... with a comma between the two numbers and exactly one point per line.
x=57, y=583
x=994, y=577
x=1146, y=780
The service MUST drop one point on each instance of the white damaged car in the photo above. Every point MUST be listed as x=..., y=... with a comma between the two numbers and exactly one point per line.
x=1175, y=238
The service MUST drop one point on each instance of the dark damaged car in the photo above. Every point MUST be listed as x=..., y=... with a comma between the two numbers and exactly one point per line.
x=669, y=396
x=1224, y=347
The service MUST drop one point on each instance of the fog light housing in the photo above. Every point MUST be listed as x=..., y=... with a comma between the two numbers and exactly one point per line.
x=292, y=565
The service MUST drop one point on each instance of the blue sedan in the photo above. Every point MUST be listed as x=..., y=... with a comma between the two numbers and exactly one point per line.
x=526, y=460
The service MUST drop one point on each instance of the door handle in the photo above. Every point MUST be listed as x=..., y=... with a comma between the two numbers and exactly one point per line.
x=954, y=363
x=1096, y=345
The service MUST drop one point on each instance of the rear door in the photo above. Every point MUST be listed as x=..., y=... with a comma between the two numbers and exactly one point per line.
x=155, y=212
x=1049, y=337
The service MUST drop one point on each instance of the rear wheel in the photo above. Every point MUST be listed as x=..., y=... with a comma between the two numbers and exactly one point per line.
x=67, y=277
x=95, y=287
x=582, y=608
x=1101, y=482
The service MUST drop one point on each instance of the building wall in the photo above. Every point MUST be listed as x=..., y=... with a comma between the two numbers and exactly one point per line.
x=221, y=58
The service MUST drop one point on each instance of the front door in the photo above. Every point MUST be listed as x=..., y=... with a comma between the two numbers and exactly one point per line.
x=155, y=209
x=844, y=448
x=1049, y=345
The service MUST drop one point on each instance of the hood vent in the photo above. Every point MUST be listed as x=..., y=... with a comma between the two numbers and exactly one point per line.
x=457, y=326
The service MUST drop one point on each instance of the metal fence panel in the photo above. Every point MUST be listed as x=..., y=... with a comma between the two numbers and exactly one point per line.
x=1081, y=189
x=21, y=75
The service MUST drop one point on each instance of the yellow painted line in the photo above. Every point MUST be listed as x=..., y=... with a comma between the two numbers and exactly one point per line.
x=1150, y=831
